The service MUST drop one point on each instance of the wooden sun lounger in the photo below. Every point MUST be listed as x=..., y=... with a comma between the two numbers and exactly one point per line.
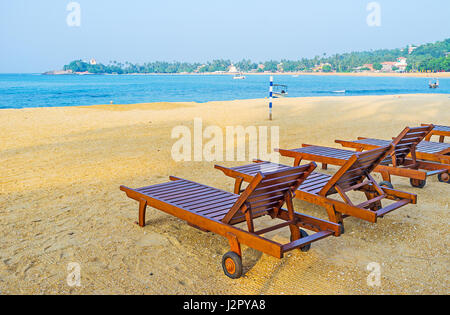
x=424, y=150
x=397, y=164
x=218, y=211
x=354, y=175
x=439, y=130
x=423, y=154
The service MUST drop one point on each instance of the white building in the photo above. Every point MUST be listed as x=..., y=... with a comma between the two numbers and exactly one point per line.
x=232, y=69
x=411, y=48
x=401, y=64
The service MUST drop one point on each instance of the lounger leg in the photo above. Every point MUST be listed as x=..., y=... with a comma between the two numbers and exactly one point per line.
x=238, y=185
x=249, y=219
x=441, y=139
x=376, y=205
x=295, y=232
x=142, y=209
x=386, y=176
x=335, y=216
x=297, y=161
x=234, y=244
x=324, y=166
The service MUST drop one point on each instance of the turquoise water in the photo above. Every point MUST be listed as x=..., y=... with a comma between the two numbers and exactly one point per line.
x=28, y=90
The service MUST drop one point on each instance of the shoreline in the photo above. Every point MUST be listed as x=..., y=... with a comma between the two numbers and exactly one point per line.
x=354, y=74
x=171, y=103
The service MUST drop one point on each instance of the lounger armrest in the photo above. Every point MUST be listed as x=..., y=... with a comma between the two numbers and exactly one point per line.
x=311, y=223
x=226, y=170
x=124, y=188
x=305, y=241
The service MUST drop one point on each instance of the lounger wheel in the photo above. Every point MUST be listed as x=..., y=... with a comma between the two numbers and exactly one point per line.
x=232, y=265
x=387, y=184
x=444, y=178
x=341, y=226
x=418, y=183
x=302, y=235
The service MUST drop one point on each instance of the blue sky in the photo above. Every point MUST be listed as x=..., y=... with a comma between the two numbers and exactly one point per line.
x=35, y=37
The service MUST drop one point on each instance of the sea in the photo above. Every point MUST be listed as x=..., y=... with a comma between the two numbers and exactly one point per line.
x=36, y=90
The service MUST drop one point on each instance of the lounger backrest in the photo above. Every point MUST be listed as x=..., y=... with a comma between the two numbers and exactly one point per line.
x=268, y=191
x=356, y=169
x=406, y=142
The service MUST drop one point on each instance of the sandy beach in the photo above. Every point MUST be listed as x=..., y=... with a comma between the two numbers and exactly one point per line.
x=384, y=74
x=61, y=168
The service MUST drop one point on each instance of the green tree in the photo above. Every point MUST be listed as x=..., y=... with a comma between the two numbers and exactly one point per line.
x=377, y=66
x=428, y=57
x=326, y=68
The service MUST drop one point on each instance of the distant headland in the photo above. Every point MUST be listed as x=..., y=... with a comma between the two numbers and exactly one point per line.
x=422, y=59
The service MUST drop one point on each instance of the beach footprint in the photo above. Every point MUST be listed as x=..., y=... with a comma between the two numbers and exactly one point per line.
x=151, y=239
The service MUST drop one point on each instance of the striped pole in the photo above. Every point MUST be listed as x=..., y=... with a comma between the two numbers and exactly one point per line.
x=270, y=97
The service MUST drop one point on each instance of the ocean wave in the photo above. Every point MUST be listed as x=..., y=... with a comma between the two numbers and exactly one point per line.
x=366, y=91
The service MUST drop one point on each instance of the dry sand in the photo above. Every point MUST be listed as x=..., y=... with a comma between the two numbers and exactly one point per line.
x=60, y=202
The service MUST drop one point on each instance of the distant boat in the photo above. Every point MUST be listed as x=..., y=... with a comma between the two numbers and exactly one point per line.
x=434, y=85
x=239, y=76
x=280, y=90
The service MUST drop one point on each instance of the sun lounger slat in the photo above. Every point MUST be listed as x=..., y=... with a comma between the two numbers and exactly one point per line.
x=314, y=186
x=180, y=193
x=314, y=183
x=251, y=167
x=263, y=201
x=369, y=202
x=442, y=128
x=261, y=167
x=278, y=195
x=208, y=211
x=207, y=197
x=328, y=152
x=288, y=178
x=269, y=194
x=282, y=173
x=201, y=204
x=161, y=187
x=223, y=209
x=319, y=178
x=266, y=206
x=419, y=129
x=185, y=199
x=278, y=186
x=422, y=147
x=392, y=207
x=206, y=201
x=214, y=204
x=170, y=189
x=255, y=214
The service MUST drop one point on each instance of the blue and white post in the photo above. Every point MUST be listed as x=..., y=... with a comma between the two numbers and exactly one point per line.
x=270, y=97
